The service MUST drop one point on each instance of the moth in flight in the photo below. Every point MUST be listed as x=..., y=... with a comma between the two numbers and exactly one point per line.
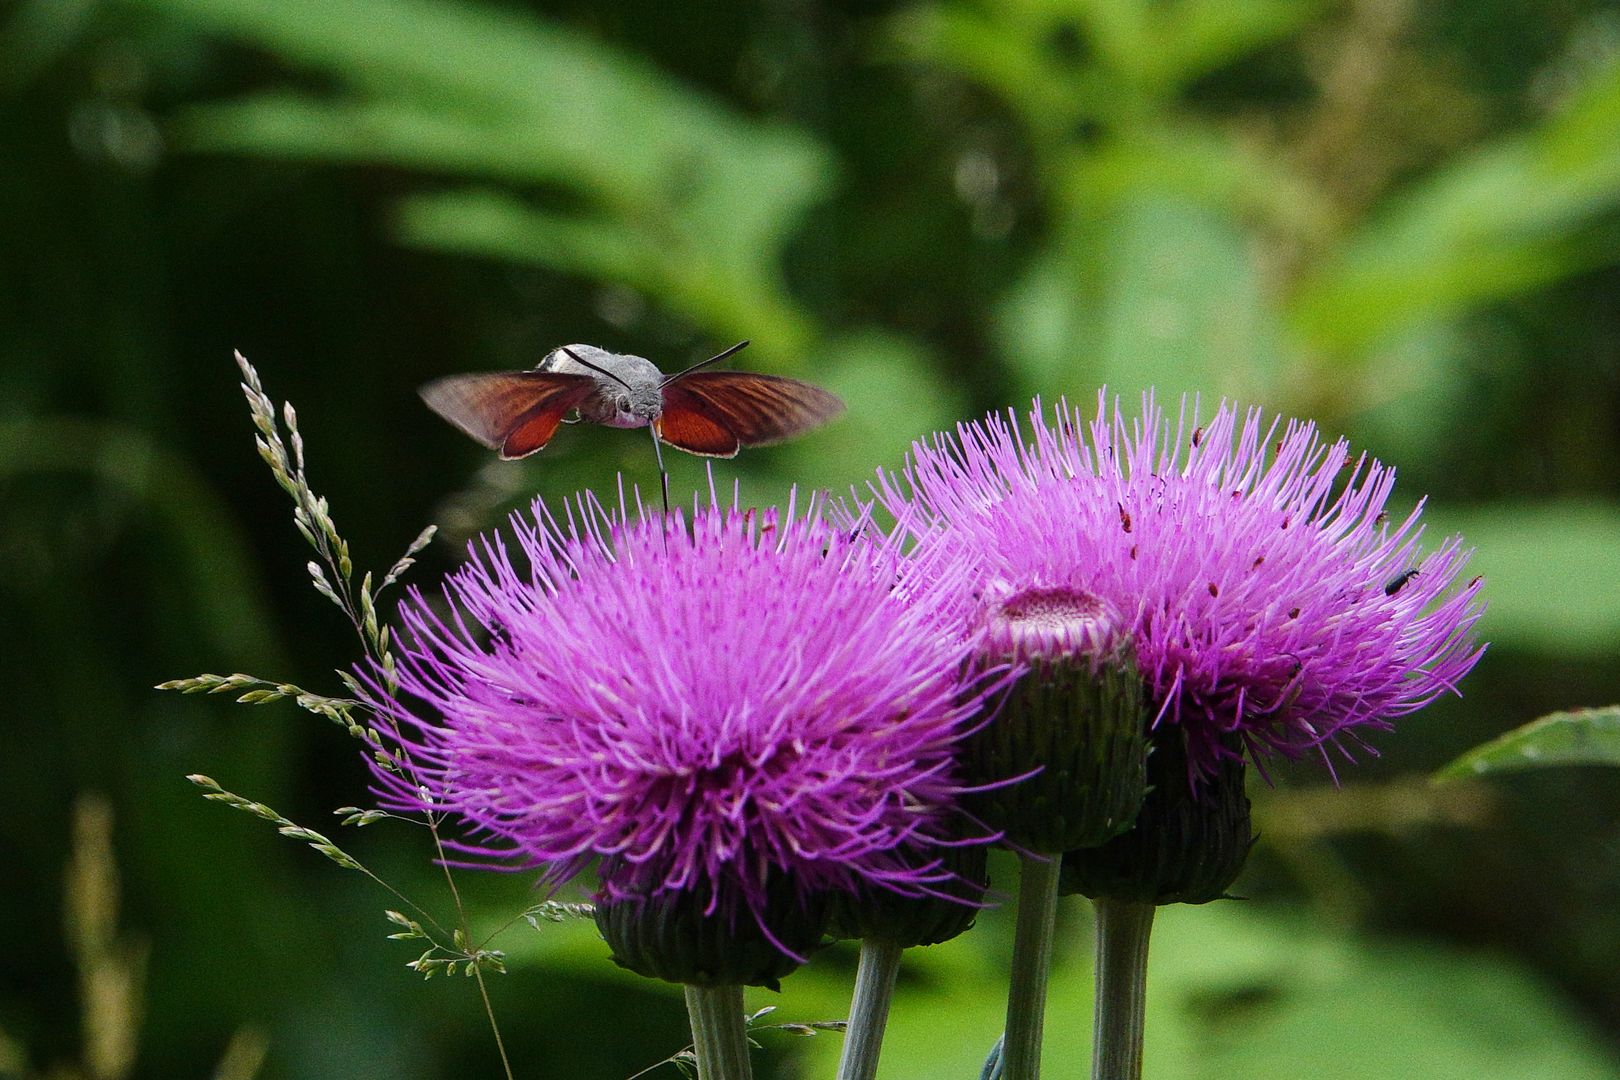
x=712, y=413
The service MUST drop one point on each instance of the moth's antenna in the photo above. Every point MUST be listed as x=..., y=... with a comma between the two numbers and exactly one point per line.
x=715, y=359
x=578, y=359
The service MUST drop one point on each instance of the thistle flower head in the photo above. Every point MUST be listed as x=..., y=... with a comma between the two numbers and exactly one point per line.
x=1252, y=565
x=705, y=711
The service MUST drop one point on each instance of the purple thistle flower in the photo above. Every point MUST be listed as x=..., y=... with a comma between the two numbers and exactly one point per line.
x=699, y=711
x=1252, y=565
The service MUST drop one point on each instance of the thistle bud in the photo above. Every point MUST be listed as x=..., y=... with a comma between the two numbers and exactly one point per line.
x=679, y=936
x=1071, y=726
x=1188, y=844
x=908, y=921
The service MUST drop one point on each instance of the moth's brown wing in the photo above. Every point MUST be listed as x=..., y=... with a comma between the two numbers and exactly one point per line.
x=535, y=428
x=514, y=412
x=759, y=409
x=688, y=423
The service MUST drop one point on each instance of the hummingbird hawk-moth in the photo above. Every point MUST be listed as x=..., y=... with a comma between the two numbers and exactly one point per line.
x=712, y=413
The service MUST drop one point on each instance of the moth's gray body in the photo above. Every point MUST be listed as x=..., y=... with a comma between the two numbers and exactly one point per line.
x=635, y=404
x=708, y=413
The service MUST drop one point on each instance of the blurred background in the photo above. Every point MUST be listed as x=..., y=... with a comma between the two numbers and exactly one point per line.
x=1399, y=218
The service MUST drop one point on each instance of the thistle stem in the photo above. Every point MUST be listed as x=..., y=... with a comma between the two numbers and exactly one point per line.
x=718, y=1037
x=1123, y=928
x=1031, y=962
x=869, y=1010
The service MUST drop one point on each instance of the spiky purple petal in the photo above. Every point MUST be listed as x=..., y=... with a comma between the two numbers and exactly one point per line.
x=696, y=710
x=1252, y=562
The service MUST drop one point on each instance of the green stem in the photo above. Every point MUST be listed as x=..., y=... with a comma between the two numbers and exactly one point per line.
x=1032, y=960
x=869, y=1011
x=718, y=1036
x=1123, y=928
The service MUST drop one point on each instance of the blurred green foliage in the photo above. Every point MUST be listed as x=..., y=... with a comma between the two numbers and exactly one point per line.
x=1400, y=219
x=1577, y=737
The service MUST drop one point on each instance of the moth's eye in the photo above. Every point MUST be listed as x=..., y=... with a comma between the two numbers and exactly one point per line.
x=623, y=403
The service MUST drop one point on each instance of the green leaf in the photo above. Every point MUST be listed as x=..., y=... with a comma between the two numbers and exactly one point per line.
x=1185, y=308
x=894, y=397
x=1201, y=164
x=1138, y=56
x=1414, y=391
x=1241, y=991
x=732, y=300
x=1194, y=37
x=1003, y=54
x=206, y=556
x=1578, y=737
x=1544, y=566
x=661, y=187
x=1504, y=219
x=1158, y=289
